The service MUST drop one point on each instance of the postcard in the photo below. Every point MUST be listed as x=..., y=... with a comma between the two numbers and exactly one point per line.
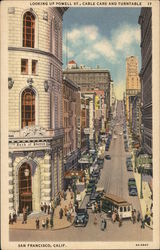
x=80, y=124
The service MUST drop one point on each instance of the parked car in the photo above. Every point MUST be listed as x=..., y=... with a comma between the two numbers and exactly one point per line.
x=133, y=191
x=108, y=157
x=81, y=218
x=131, y=182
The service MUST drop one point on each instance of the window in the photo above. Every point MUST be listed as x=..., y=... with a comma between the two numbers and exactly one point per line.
x=28, y=108
x=34, y=67
x=28, y=30
x=24, y=66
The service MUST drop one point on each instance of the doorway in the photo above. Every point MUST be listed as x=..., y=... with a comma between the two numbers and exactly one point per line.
x=25, y=187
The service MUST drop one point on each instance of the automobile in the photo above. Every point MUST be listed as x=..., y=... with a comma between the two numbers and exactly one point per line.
x=129, y=168
x=81, y=218
x=133, y=191
x=131, y=182
x=90, y=188
x=107, y=157
x=100, y=161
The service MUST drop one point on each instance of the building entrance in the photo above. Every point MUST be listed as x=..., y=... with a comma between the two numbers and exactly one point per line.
x=25, y=187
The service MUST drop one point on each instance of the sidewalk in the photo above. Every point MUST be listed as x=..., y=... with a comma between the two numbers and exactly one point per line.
x=146, y=201
x=57, y=223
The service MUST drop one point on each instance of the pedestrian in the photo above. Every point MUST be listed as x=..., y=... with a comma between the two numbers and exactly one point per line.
x=71, y=195
x=65, y=210
x=143, y=224
x=95, y=220
x=47, y=223
x=14, y=216
x=102, y=225
x=68, y=216
x=11, y=218
x=93, y=208
x=120, y=221
x=27, y=210
x=65, y=195
x=134, y=219
x=41, y=206
x=37, y=223
x=45, y=207
x=96, y=207
x=61, y=213
x=69, y=188
x=24, y=216
x=48, y=208
x=105, y=223
x=138, y=216
x=43, y=224
x=113, y=216
x=51, y=222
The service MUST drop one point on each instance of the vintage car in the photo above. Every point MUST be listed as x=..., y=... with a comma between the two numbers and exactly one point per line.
x=81, y=218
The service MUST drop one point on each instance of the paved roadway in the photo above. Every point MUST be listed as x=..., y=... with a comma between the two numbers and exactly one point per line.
x=114, y=179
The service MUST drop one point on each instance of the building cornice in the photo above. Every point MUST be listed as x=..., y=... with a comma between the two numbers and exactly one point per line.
x=36, y=51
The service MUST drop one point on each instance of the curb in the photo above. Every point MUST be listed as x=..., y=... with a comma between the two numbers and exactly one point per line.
x=42, y=229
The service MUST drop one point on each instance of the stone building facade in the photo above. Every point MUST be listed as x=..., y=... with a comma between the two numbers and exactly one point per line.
x=35, y=106
x=132, y=84
x=136, y=116
x=70, y=119
x=89, y=79
x=145, y=21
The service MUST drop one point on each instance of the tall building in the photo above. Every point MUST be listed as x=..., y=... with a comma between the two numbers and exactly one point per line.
x=145, y=21
x=91, y=79
x=136, y=117
x=132, y=84
x=70, y=101
x=35, y=106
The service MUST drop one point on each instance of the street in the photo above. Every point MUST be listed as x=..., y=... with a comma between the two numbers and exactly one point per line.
x=114, y=179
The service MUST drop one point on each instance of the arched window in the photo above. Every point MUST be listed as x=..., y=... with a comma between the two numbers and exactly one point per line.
x=28, y=30
x=28, y=107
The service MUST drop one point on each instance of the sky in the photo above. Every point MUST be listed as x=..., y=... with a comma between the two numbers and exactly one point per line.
x=104, y=37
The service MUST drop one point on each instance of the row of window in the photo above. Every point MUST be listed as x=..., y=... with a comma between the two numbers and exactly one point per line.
x=25, y=68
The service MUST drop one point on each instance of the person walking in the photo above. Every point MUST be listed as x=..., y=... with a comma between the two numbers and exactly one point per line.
x=68, y=216
x=120, y=221
x=47, y=223
x=113, y=216
x=102, y=225
x=93, y=208
x=43, y=224
x=65, y=210
x=14, y=216
x=48, y=208
x=51, y=222
x=45, y=207
x=96, y=207
x=37, y=223
x=60, y=213
x=65, y=195
x=95, y=220
x=143, y=224
x=41, y=206
x=138, y=216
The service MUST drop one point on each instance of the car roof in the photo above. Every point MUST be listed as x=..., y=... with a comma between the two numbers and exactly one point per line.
x=131, y=179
